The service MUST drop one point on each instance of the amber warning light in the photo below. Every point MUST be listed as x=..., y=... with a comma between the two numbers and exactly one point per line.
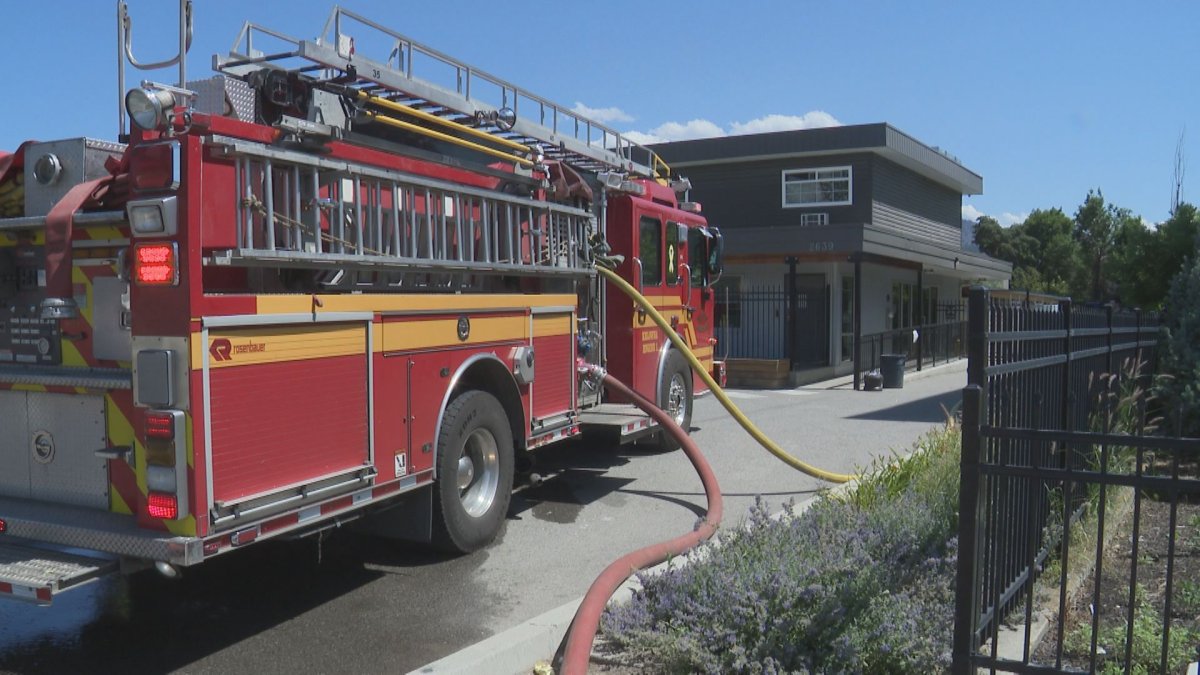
x=156, y=264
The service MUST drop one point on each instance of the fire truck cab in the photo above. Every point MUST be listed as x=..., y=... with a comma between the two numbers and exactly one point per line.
x=315, y=289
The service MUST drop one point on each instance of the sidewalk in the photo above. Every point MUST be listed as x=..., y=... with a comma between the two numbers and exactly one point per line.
x=518, y=649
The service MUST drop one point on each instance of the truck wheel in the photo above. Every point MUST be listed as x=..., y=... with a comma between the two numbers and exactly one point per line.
x=475, y=473
x=675, y=397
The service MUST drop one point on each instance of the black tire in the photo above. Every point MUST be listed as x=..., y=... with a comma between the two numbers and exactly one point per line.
x=675, y=397
x=471, y=496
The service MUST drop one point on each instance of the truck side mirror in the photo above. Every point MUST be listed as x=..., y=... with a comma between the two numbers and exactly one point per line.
x=716, y=255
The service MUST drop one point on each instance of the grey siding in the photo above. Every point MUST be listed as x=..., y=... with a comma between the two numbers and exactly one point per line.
x=915, y=206
x=750, y=194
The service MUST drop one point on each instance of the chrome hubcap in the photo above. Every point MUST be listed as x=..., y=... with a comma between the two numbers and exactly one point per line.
x=677, y=399
x=478, y=473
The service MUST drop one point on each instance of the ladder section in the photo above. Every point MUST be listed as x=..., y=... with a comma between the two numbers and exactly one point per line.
x=299, y=210
x=455, y=90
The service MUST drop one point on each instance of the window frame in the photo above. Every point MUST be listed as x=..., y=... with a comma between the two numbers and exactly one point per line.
x=671, y=246
x=658, y=264
x=784, y=182
x=821, y=218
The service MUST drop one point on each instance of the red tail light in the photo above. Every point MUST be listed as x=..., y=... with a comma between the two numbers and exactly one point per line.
x=160, y=425
x=3, y=526
x=156, y=264
x=162, y=505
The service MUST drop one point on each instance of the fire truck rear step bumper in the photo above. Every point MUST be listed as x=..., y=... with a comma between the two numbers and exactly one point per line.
x=624, y=418
x=37, y=574
x=93, y=530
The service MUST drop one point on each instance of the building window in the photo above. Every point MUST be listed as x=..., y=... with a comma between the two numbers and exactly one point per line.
x=813, y=219
x=817, y=187
x=929, y=298
x=903, y=308
x=847, y=318
x=651, y=251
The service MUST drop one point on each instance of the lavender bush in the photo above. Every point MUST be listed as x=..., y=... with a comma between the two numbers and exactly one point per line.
x=838, y=588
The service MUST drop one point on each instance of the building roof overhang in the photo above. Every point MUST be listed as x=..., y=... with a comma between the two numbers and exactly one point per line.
x=844, y=242
x=881, y=139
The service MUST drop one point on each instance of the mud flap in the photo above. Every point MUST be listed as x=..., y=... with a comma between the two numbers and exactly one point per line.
x=407, y=518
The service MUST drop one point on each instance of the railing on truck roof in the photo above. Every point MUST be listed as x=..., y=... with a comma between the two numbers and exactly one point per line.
x=471, y=97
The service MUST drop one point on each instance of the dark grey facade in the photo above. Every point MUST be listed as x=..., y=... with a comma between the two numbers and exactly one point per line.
x=896, y=235
x=900, y=188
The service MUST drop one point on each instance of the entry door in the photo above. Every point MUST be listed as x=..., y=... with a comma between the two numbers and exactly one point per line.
x=810, y=327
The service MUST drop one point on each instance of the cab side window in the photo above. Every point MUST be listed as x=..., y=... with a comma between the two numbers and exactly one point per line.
x=673, y=253
x=650, y=251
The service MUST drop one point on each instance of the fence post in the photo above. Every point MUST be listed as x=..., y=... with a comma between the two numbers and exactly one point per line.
x=790, y=327
x=920, y=301
x=977, y=335
x=1065, y=307
x=857, y=319
x=966, y=609
x=1108, y=316
x=1138, y=337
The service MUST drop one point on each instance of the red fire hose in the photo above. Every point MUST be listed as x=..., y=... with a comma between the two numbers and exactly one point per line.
x=583, y=628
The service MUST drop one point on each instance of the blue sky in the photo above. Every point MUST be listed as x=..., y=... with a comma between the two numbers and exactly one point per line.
x=1045, y=100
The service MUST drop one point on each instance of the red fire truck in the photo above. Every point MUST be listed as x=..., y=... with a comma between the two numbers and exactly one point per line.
x=317, y=288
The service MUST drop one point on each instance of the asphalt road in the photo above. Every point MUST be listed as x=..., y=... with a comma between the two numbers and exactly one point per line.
x=350, y=603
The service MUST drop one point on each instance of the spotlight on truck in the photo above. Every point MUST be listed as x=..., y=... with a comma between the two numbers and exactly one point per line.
x=148, y=109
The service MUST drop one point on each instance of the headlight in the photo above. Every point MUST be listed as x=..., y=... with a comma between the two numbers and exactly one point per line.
x=148, y=109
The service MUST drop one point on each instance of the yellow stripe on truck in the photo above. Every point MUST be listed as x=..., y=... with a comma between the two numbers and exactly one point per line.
x=301, y=304
x=415, y=333
x=249, y=346
x=551, y=325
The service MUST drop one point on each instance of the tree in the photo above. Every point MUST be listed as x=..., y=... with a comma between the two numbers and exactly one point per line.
x=1052, y=250
x=1181, y=362
x=1096, y=226
x=1130, y=269
x=991, y=238
x=1177, y=176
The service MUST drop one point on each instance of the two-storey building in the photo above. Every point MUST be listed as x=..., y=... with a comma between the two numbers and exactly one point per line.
x=858, y=227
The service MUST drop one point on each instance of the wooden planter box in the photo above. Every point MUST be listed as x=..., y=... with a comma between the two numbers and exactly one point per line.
x=758, y=373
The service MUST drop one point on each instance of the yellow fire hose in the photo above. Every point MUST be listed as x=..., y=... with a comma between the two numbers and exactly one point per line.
x=737, y=414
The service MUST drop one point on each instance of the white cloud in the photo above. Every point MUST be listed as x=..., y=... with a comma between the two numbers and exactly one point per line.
x=700, y=128
x=677, y=131
x=814, y=119
x=969, y=212
x=1005, y=219
x=602, y=115
x=642, y=138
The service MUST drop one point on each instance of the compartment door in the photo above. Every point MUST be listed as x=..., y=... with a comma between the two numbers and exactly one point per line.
x=288, y=407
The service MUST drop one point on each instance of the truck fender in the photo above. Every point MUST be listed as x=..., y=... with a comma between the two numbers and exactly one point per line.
x=485, y=371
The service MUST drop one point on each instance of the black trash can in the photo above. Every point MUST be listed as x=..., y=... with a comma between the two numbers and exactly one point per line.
x=891, y=366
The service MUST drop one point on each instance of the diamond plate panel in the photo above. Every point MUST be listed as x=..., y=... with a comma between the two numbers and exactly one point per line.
x=65, y=431
x=14, y=435
x=56, y=570
x=222, y=95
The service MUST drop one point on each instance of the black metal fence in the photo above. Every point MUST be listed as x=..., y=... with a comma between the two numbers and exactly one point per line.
x=1060, y=455
x=922, y=346
x=752, y=322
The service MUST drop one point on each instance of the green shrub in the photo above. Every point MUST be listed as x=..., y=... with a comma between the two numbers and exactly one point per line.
x=862, y=583
x=1146, y=652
